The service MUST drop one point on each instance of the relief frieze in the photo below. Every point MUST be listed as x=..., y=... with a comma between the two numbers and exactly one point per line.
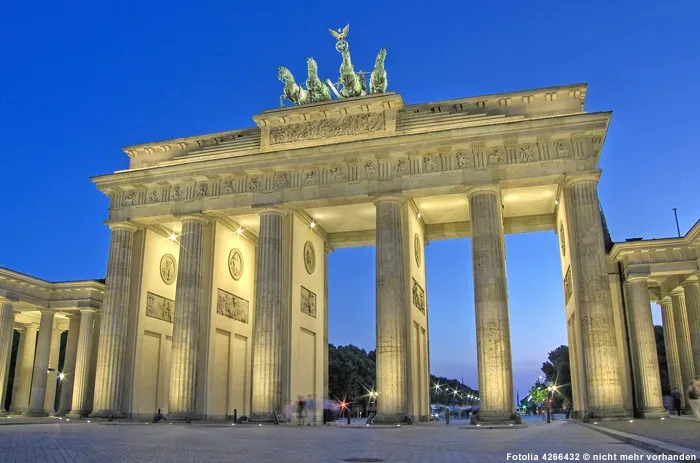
x=356, y=124
x=308, y=302
x=231, y=306
x=159, y=307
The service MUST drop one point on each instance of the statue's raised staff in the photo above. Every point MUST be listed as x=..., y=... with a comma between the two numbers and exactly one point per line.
x=351, y=82
x=293, y=92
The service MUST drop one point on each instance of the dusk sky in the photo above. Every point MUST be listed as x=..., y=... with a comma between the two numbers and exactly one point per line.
x=83, y=79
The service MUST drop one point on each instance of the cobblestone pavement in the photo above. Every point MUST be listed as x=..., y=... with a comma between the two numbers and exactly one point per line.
x=685, y=433
x=435, y=442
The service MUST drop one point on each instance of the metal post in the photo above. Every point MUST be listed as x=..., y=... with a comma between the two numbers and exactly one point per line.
x=678, y=229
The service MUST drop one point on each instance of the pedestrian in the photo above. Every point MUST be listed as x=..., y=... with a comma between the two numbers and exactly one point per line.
x=447, y=415
x=311, y=410
x=300, y=411
x=676, y=396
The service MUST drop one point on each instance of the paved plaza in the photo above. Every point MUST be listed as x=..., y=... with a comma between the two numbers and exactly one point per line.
x=435, y=442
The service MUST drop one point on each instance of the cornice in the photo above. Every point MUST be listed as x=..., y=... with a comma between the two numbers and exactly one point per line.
x=689, y=240
x=566, y=124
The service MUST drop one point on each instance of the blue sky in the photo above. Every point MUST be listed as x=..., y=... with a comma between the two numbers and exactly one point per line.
x=82, y=79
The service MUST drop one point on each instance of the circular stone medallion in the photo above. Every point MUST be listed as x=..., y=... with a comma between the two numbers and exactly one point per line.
x=309, y=257
x=168, y=269
x=562, y=239
x=235, y=264
x=416, y=248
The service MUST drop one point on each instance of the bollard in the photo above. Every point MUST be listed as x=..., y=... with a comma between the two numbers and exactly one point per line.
x=348, y=417
x=235, y=415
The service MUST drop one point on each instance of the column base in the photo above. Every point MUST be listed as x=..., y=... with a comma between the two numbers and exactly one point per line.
x=36, y=413
x=107, y=414
x=182, y=417
x=496, y=418
x=261, y=417
x=606, y=414
x=77, y=414
x=390, y=418
x=658, y=412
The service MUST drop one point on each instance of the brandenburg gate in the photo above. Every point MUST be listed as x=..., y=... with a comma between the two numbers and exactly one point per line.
x=217, y=281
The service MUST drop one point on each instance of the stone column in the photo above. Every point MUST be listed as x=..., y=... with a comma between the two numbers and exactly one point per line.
x=599, y=348
x=267, y=336
x=685, y=351
x=24, y=369
x=183, y=366
x=671, y=346
x=41, y=364
x=491, y=305
x=7, y=324
x=645, y=359
x=691, y=289
x=68, y=380
x=326, y=250
x=112, y=342
x=52, y=372
x=83, y=363
x=392, y=310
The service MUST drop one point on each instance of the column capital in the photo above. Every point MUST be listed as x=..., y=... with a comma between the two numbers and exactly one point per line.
x=191, y=217
x=397, y=198
x=678, y=291
x=571, y=179
x=490, y=188
x=47, y=310
x=636, y=278
x=121, y=226
x=327, y=248
x=689, y=282
x=665, y=300
x=87, y=310
x=31, y=326
x=273, y=210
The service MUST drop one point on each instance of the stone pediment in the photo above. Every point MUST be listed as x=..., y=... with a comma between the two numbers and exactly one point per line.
x=330, y=122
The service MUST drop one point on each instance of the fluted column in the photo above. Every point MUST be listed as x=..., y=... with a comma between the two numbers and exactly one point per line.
x=83, y=363
x=68, y=380
x=267, y=336
x=646, y=361
x=671, y=347
x=41, y=364
x=599, y=347
x=491, y=305
x=112, y=342
x=691, y=288
x=685, y=352
x=392, y=310
x=7, y=323
x=326, y=250
x=52, y=372
x=183, y=365
x=24, y=369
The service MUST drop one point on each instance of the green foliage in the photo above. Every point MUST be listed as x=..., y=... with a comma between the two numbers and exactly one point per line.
x=558, y=372
x=351, y=373
x=446, y=396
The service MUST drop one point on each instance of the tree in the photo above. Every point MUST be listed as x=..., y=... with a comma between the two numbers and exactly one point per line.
x=446, y=394
x=558, y=372
x=351, y=373
x=663, y=365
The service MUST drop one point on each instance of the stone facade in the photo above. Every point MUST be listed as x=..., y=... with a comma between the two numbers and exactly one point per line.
x=216, y=291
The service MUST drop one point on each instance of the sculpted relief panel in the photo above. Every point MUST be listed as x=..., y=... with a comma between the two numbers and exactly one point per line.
x=328, y=128
x=418, y=296
x=308, y=302
x=231, y=306
x=159, y=307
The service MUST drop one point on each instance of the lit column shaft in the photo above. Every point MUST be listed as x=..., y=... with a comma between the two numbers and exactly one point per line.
x=83, y=363
x=599, y=347
x=41, y=363
x=183, y=367
x=491, y=305
x=392, y=310
x=691, y=289
x=111, y=349
x=671, y=345
x=52, y=375
x=68, y=380
x=24, y=369
x=685, y=352
x=644, y=356
x=267, y=336
x=7, y=323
